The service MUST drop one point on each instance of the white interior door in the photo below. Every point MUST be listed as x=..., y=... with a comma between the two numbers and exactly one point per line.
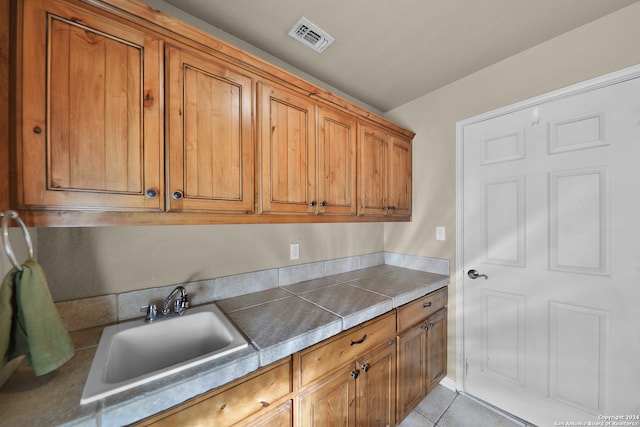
x=551, y=216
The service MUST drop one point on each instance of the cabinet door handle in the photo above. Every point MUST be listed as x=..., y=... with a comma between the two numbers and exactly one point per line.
x=355, y=374
x=177, y=195
x=37, y=130
x=366, y=367
x=427, y=305
x=313, y=203
x=360, y=341
x=151, y=193
x=323, y=203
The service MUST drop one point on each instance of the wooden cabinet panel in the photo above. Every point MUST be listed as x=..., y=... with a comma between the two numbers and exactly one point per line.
x=345, y=348
x=209, y=134
x=91, y=112
x=287, y=152
x=232, y=404
x=377, y=388
x=372, y=173
x=412, y=358
x=336, y=162
x=331, y=402
x=436, y=349
x=418, y=310
x=282, y=416
x=399, y=176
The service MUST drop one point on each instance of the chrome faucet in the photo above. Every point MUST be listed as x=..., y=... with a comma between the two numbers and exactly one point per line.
x=180, y=305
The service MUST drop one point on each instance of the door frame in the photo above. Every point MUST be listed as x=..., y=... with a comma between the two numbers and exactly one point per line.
x=585, y=86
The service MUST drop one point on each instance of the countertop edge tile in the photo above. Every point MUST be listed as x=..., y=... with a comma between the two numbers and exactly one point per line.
x=367, y=314
x=286, y=348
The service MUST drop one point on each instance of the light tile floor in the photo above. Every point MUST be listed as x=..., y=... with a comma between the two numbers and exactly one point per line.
x=446, y=408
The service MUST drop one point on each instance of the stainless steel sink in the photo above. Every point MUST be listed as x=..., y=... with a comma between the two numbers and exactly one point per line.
x=134, y=353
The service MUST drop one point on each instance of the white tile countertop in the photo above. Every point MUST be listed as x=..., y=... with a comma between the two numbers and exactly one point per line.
x=278, y=323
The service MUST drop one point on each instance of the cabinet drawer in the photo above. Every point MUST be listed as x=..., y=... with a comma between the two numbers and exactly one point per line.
x=416, y=311
x=232, y=404
x=345, y=348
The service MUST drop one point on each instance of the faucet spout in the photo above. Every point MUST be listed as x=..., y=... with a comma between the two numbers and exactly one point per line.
x=180, y=304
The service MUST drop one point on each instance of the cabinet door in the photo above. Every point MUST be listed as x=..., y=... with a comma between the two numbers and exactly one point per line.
x=287, y=151
x=91, y=112
x=377, y=388
x=399, y=176
x=336, y=162
x=412, y=370
x=330, y=402
x=209, y=130
x=436, y=349
x=372, y=171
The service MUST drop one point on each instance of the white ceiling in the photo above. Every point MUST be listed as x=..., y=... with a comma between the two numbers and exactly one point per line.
x=389, y=52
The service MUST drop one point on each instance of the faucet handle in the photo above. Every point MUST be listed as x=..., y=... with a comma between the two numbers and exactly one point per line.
x=151, y=310
x=180, y=305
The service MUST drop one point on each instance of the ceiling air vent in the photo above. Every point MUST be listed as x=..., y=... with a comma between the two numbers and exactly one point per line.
x=310, y=34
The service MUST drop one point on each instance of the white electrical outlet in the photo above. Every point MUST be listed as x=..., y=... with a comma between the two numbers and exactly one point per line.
x=440, y=233
x=294, y=251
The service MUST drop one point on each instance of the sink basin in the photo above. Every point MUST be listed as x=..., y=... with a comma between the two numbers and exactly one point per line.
x=134, y=353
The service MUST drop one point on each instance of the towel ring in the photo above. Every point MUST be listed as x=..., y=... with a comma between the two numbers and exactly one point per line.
x=6, y=217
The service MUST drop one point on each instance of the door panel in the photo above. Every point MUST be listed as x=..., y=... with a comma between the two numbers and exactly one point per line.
x=550, y=205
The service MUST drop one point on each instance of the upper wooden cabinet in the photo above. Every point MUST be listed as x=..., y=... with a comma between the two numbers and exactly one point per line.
x=336, y=162
x=384, y=173
x=287, y=151
x=138, y=118
x=399, y=194
x=91, y=112
x=209, y=134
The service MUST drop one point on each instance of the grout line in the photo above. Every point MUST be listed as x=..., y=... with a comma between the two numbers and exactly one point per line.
x=447, y=408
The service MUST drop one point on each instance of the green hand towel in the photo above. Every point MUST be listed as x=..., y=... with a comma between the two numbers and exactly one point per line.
x=29, y=321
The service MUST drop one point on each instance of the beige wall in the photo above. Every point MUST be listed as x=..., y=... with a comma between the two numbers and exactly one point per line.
x=608, y=44
x=83, y=262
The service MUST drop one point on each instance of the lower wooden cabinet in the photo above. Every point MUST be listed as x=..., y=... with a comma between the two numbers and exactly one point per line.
x=436, y=349
x=422, y=350
x=361, y=393
x=331, y=401
x=376, y=388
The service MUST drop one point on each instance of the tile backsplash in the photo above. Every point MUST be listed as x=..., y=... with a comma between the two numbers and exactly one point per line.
x=102, y=310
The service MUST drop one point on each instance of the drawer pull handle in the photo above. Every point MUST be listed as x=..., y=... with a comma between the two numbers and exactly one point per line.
x=360, y=341
x=264, y=404
x=427, y=305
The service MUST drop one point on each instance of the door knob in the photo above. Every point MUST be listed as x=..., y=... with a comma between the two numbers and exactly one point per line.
x=473, y=274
